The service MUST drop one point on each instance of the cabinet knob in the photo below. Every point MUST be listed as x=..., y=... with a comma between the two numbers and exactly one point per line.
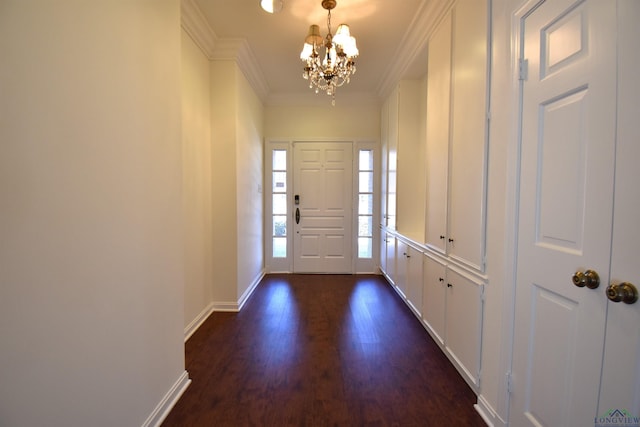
x=441, y=237
x=440, y=279
x=449, y=285
x=450, y=240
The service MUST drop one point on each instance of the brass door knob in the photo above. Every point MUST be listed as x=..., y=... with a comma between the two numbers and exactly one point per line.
x=589, y=278
x=622, y=292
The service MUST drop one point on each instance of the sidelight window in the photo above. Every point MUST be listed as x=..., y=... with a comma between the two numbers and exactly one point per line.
x=279, y=204
x=365, y=203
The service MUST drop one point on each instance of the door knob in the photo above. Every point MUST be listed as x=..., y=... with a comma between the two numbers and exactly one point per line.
x=622, y=292
x=589, y=278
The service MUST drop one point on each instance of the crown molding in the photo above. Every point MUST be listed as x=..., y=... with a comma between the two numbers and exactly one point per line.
x=195, y=24
x=238, y=50
x=415, y=40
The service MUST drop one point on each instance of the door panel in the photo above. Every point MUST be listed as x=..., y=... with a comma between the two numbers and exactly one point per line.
x=562, y=174
x=323, y=184
x=468, y=133
x=434, y=297
x=437, y=149
x=463, y=324
x=565, y=213
x=620, y=387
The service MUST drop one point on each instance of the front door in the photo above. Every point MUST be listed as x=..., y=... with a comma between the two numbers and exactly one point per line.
x=322, y=188
x=565, y=211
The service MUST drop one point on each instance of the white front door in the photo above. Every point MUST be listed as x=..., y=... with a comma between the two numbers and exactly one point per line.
x=565, y=212
x=322, y=188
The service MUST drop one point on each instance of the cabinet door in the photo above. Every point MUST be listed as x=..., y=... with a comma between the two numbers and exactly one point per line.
x=402, y=266
x=384, y=161
x=433, y=297
x=391, y=258
x=392, y=158
x=437, y=146
x=464, y=324
x=410, y=201
x=414, y=279
x=468, y=132
x=383, y=251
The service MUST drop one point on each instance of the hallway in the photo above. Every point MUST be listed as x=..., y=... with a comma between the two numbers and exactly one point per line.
x=320, y=350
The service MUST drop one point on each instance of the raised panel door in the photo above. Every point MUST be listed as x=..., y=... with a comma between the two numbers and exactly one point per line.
x=468, y=133
x=391, y=258
x=437, y=134
x=464, y=324
x=415, y=280
x=434, y=297
x=565, y=212
x=402, y=262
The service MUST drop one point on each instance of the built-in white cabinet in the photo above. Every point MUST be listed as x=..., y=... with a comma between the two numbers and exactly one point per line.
x=463, y=324
x=409, y=274
x=437, y=141
x=434, y=298
x=452, y=313
x=383, y=250
x=403, y=144
x=389, y=133
x=434, y=143
x=411, y=153
x=456, y=134
x=390, y=257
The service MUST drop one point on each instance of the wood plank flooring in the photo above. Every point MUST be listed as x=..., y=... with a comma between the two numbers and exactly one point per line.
x=320, y=350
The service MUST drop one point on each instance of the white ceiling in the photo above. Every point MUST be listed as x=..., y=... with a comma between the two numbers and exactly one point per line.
x=276, y=40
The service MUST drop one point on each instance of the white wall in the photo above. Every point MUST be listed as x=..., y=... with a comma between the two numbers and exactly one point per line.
x=236, y=134
x=91, y=259
x=311, y=121
x=223, y=176
x=249, y=186
x=196, y=152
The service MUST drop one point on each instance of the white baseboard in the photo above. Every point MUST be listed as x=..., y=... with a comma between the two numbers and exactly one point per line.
x=235, y=306
x=168, y=401
x=229, y=306
x=487, y=413
x=245, y=296
x=197, y=322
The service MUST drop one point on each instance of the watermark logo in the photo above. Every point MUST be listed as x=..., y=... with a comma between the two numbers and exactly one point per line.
x=617, y=418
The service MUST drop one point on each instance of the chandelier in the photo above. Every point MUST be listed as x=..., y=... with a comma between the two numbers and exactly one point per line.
x=336, y=65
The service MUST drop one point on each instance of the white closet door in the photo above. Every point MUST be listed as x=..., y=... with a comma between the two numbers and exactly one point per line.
x=565, y=214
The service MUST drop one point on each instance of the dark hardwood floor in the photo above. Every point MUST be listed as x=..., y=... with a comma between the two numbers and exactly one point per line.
x=320, y=350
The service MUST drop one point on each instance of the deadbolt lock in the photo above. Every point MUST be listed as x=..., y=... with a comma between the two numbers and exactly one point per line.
x=622, y=292
x=589, y=278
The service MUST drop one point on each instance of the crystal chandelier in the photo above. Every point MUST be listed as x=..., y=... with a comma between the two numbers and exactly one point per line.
x=336, y=65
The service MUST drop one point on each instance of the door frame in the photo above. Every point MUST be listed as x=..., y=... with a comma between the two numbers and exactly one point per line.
x=505, y=133
x=285, y=265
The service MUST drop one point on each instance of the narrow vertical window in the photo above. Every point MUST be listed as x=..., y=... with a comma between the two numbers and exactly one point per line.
x=391, y=190
x=279, y=204
x=365, y=203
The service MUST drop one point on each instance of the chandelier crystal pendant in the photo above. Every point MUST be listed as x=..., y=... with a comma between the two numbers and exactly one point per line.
x=336, y=65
